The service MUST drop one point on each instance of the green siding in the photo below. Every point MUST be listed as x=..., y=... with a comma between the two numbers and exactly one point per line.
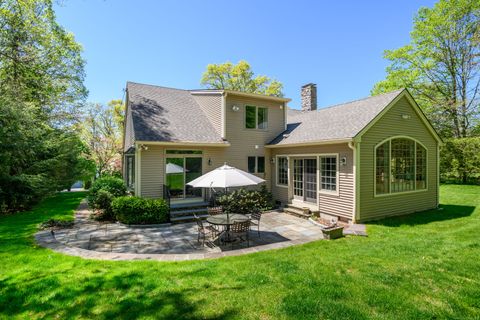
x=392, y=124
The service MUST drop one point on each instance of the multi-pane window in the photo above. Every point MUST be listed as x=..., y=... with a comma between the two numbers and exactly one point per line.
x=328, y=173
x=282, y=171
x=401, y=165
x=256, y=164
x=130, y=170
x=256, y=117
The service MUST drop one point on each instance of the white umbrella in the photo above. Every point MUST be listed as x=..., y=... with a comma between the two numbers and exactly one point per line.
x=225, y=177
x=174, y=168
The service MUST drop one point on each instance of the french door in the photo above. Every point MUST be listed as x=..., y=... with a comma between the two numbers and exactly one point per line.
x=180, y=171
x=305, y=179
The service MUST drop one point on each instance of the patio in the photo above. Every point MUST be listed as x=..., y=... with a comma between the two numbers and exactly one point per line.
x=113, y=241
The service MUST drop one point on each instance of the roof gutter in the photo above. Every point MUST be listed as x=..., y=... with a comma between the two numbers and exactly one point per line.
x=185, y=143
x=306, y=144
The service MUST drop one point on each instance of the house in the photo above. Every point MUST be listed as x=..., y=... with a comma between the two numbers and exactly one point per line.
x=357, y=161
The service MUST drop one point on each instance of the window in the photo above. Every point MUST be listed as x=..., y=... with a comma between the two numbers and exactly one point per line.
x=256, y=164
x=282, y=171
x=256, y=117
x=328, y=173
x=400, y=166
x=130, y=171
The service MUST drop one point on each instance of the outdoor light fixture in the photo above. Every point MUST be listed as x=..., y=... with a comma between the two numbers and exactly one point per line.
x=343, y=161
x=209, y=161
x=272, y=161
x=235, y=108
x=256, y=146
x=281, y=107
x=143, y=147
x=406, y=116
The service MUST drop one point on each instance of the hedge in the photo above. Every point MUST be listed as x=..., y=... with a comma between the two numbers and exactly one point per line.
x=136, y=210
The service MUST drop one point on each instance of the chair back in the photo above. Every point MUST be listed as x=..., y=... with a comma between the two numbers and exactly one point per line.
x=199, y=222
x=215, y=210
x=256, y=215
x=241, y=227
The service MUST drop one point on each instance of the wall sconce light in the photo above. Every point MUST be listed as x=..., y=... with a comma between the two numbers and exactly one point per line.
x=143, y=147
x=256, y=146
x=406, y=116
x=209, y=161
x=235, y=108
x=272, y=161
x=343, y=161
x=281, y=107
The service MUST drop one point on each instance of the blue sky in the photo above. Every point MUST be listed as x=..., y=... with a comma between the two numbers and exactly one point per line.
x=336, y=44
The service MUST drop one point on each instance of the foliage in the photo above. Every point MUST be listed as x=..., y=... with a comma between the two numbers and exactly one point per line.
x=460, y=160
x=103, y=203
x=115, y=186
x=393, y=273
x=102, y=133
x=136, y=210
x=440, y=66
x=41, y=92
x=240, y=77
x=56, y=223
x=247, y=201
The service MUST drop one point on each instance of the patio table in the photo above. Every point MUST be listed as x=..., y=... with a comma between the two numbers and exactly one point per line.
x=227, y=220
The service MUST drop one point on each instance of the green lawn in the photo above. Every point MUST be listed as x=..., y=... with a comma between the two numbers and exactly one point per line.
x=423, y=266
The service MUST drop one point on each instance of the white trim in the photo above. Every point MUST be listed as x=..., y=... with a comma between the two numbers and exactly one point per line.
x=256, y=95
x=276, y=172
x=138, y=171
x=256, y=165
x=390, y=193
x=184, y=143
x=224, y=116
x=337, y=175
x=310, y=143
x=356, y=180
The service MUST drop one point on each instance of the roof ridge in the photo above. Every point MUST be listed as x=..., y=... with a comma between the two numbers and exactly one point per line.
x=157, y=86
x=352, y=101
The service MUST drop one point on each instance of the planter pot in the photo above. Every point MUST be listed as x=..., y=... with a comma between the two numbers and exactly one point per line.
x=332, y=233
x=306, y=211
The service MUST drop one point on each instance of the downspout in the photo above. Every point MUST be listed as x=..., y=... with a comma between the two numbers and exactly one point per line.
x=352, y=146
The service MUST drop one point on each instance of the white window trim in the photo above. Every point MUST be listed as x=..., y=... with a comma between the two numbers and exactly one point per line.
x=337, y=175
x=256, y=118
x=276, y=172
x=390, y=193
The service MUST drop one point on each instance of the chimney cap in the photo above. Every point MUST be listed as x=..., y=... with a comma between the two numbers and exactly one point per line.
x=311, y=84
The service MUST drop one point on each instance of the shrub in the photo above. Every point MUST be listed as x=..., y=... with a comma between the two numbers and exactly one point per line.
x=87, y=184
x=247, y=201
x=115, y=186
x=103, y=203
x=136, y=210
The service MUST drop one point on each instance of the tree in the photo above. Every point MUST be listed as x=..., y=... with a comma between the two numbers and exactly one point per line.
x=239, y=77
x=41, y=91
x=102, y=133
x=441, y=66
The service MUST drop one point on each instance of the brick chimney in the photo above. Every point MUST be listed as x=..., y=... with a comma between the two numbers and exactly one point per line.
x=309, y=97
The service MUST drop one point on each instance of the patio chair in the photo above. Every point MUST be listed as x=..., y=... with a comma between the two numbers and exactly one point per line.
x=240, y=230
x=204, y=231
x=255, y=220
x=215, y=210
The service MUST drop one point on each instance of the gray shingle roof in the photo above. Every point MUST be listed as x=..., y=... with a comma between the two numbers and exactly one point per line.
x=343, y=121
x=168, y=115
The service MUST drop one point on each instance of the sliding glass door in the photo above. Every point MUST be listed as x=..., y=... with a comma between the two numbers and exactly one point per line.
x=179, y=171
x=305, y=179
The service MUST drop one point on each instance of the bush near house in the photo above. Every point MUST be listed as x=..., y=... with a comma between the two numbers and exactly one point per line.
x=247, y=201
x=102, y=193
x=136, y=210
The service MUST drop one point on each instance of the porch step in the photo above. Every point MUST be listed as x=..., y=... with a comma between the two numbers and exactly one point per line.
x=187, y=218
x=298, y=212
x=175, y=206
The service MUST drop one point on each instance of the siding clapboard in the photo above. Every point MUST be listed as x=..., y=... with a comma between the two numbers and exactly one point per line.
x=392, y=124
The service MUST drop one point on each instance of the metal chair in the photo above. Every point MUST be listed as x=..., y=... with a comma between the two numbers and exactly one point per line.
x=255, y=220
x=212, y=211
x=240, y=230
x=204, y=231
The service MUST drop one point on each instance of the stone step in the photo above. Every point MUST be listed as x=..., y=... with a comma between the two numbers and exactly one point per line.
x=187, y=212
x=189, y=218
x=296, y=212
x=179, y=206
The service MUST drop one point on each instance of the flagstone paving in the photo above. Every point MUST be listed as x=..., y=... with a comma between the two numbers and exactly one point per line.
x=114, y=241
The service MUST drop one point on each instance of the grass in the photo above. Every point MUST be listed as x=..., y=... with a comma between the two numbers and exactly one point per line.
x=422, y=266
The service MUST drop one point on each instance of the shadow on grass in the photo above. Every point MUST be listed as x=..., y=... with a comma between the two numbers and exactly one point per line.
x=445, y=212
x=124, y=295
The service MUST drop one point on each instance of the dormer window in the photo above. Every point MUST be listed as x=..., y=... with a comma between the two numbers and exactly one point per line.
x=256, y=117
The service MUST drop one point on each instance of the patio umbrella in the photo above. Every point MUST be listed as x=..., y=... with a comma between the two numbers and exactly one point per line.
x=174, y=168
x=225, y=177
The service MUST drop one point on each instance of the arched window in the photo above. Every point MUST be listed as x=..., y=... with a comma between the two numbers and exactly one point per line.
x=400, y=166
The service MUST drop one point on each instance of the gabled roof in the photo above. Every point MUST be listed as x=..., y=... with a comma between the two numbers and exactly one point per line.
x=335, y=123
x=163, y=114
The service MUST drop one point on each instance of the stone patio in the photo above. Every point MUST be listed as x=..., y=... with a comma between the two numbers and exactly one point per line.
x=114, y=241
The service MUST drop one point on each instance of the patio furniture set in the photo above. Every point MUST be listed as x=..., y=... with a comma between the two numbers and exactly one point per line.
x=227, y=228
